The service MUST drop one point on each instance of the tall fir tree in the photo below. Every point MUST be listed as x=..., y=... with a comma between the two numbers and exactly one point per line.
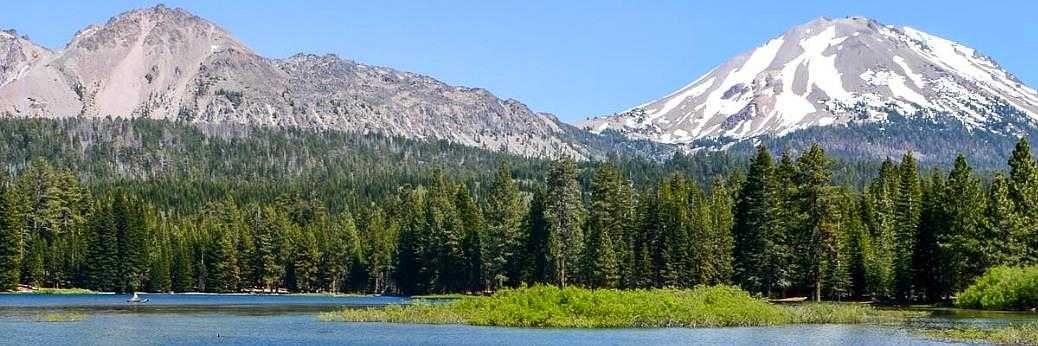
x=908, y=206
x=608, y=218
x=102, y=266
x=10, y=240
x=1023, y=190
x=962, y=253
x=1008, y=241
x=535, y=259
x=475, y=276
x=818, y=231
x=504, y=218
x=759, y=252
x=564, y=216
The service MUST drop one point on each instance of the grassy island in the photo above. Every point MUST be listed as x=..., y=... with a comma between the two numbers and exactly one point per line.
x=553, y=307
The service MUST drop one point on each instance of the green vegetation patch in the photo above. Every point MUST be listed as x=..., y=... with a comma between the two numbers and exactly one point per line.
x=1024, y=334
x=552, y=307
x=1002, y=288
x=61, y=316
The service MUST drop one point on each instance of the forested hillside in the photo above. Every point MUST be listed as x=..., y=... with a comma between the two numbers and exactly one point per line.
x=143, y=205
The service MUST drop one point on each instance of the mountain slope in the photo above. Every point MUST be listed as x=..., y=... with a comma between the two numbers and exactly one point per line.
x=165, y=63
x=832, y=72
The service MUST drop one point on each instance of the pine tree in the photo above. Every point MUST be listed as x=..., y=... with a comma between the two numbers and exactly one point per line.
x=960, y=241
x=268, y=226
x=565, y=219
x=1006, y=243
x=606, y=221
x=181, y=271
x=720, y=237
x=444, y=242
x=758, y=253
x=226, y=272
x=130, y=240
x=1023, y=190
x=535, y=258
x=1023, y=178
x=879, y=213
x=411, y=272
x=671, y=259
x=473, y=266
x=645, y=242
x=10, y=241
x=305, y=263
x=859, y=249
x=380, y=238
x=819, y=232
x=159, y=267
x=342, y=253
x=102, y=266
x=908, y=206
x=504, y=218
x=929, y=278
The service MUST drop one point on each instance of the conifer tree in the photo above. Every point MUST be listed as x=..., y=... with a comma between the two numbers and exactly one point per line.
x=908, y=206
x=305, y=263
x=960, y=241
x=504, y=218
x=130, y=236
x=182, y=275
x=720, y=238
x=342, y=251
x=564, y=216
x=820, y=227
x=536, y=267
x=607, y=219
x=758, y=251
x=927, y=263
x=102, y=266
x=380, y=238
x=1023, y=178
x=1008, y=241
x=879, y=210
x=268, y=226
x=1023, y=189
x=10, y=241
x=475, y=270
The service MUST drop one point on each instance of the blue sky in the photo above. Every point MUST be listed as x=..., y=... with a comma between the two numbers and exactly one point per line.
x=571, y=58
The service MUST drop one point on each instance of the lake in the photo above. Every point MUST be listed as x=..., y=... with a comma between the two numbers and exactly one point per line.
x=292, y=319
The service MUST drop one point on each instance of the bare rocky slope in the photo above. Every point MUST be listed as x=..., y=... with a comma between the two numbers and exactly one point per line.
x=166, y=63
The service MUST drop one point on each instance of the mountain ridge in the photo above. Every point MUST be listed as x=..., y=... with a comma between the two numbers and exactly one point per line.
x=167, y=63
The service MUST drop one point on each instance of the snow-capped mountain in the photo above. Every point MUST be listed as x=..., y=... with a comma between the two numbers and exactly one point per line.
x=831, y=72
x=167, y=63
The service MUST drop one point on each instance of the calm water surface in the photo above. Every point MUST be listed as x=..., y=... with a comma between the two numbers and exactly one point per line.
x=261, y=320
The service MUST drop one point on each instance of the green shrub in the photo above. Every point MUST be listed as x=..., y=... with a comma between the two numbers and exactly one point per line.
x=1002, y=288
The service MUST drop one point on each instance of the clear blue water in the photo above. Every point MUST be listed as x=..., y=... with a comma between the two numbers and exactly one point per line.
x=264, y=320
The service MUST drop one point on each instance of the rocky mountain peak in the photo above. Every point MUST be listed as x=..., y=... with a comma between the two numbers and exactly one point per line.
x=832, y=72
x=167, y=63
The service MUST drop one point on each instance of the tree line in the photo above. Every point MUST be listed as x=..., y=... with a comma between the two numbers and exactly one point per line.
x=780, y=227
